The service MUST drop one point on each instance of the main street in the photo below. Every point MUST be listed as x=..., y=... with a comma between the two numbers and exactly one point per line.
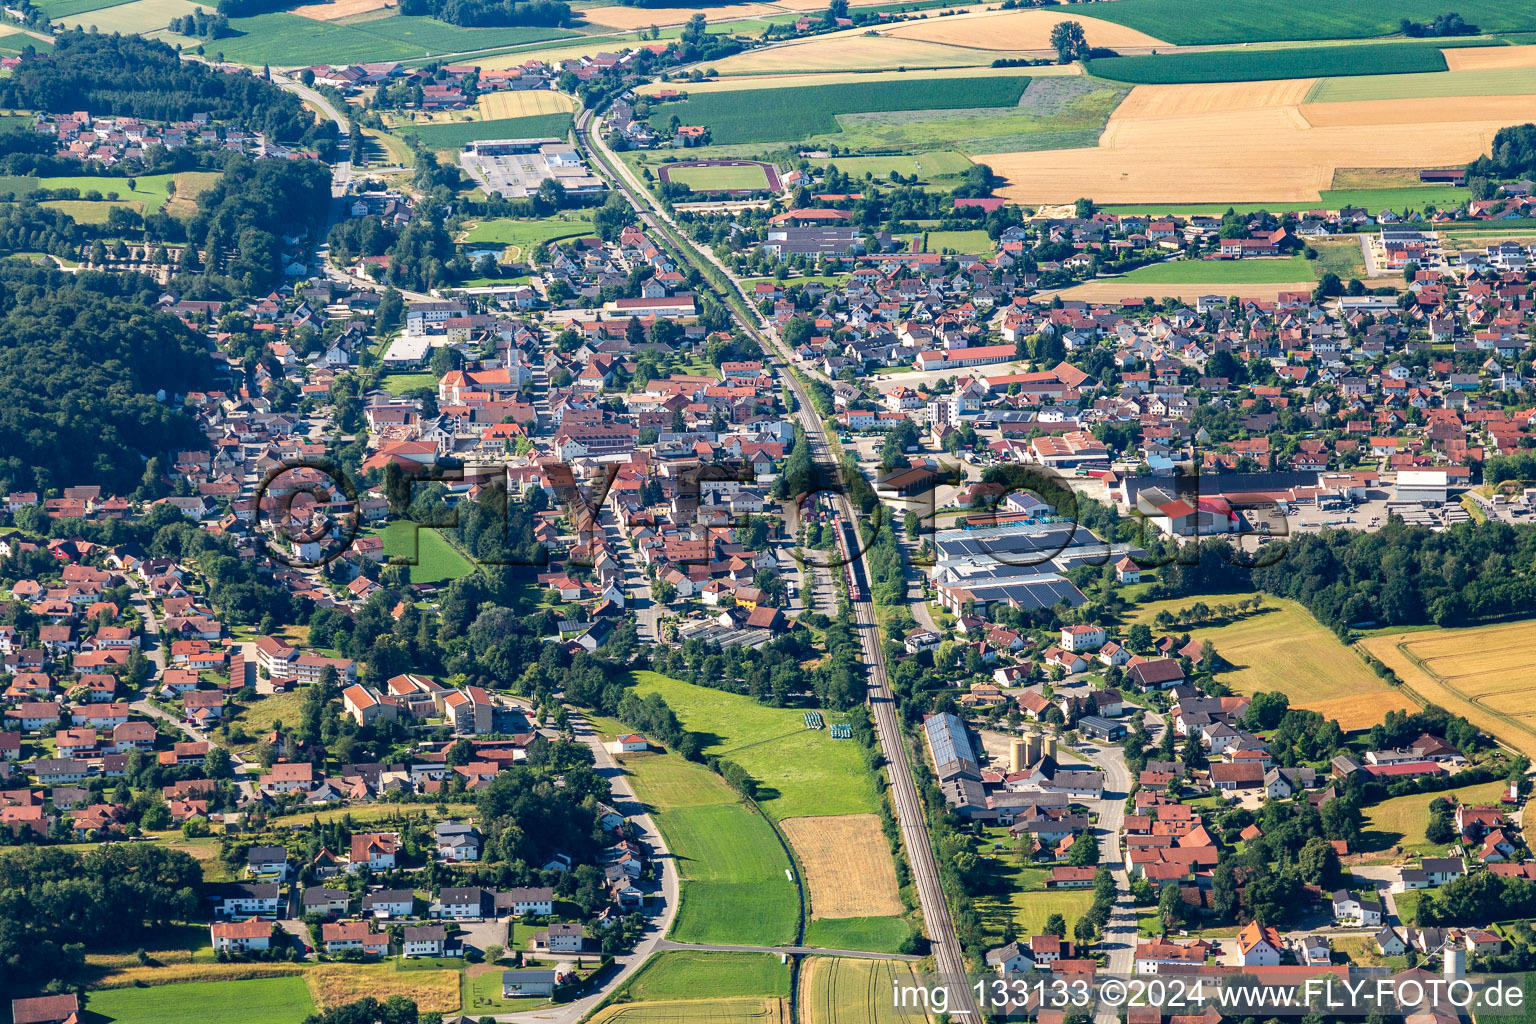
x=910, y=815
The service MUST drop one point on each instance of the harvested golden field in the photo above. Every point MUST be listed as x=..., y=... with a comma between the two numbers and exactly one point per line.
x=1478, y=673
x=1266, y=146
x=339, y=984
x=177, y=973
x=1361, y=712
x=847, y=865
x=1017, y=30
x=1483, y=58
x=1508, y=109
x=627, y=19
x=524, y=103
x=1115, y=291
x=855, y=52
x=702, y=1011
x=335, y=10
x=1375, y=177
x=790, y=80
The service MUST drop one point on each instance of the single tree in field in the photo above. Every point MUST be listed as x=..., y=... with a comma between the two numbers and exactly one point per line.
x=1069, y=42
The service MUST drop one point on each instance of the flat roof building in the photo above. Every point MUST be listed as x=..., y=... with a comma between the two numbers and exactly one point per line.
x=515, y=168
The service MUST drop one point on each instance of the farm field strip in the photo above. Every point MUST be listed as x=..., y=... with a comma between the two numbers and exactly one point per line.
x=839, y=990
x=1482, y=694
x=1017, y=30
x=1116, y=289
x=335, y=10
x=682, y=974
x=1496, y=81
x=855, y=53
x=702, y=1011
x=847, y=864
x=1208, y=22
x=1245, y=65
x=789, y=80
x=1361, y=711
x=1490, y=57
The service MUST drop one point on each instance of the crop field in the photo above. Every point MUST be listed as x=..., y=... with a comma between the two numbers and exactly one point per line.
x=628, y=19
x=734, y=890
x=334, y=985
x=58, y=9
x=847, y=864
x=1258, y=65
x=1142, y=155
x=1478, y=673
x=682, y=974
x=1250, y=271
x=1484, y=58
x=800, y=772
x=436, y=559
x=1484, y=82
x=722, y=178
x=1400, y=822
x=842, y=990
x=772, y=115
x=461, y=133
x=799, y=80
x=1362, y=711
x=139, y=16
x=1018, y=30
x=874, y=934
x=1282, y=648
x=336, y=10
x=522, y=103
x=258, y=1001
x=856, y=52
x=1203, y=22
x=285, y=38
x=701, y=1011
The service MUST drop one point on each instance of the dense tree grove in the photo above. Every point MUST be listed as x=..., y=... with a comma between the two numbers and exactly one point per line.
x=1514, y=154
x=552, y=13
x=55, y=903
x=116, y=75
x=80, y=365
x=241, y=220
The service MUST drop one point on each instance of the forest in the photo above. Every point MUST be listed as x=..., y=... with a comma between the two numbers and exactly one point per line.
x=81, y=362
x=471, y=13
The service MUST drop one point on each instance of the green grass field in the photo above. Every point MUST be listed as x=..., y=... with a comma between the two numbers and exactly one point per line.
x=735, y=891
x=400, y=383
x=932, y=167
x=460, y=133
x=257, y=1001
x=525, y=234
x=285, y=39
x=1412, y=197
x=968, y=243
x=800, y=772
x=1200, y=22
x=1293, y=62
x=56, y=9
x=720, y=179
x=83, y=212
x=1282, y=649
x=148, y=189
x=1342, y=257
x=780, y=115
x=436, y=559
x=1260, y=271
x=687, y=974
x=876, y=934
x=1489, y=82
x=1400, y=822
x=1029, y=911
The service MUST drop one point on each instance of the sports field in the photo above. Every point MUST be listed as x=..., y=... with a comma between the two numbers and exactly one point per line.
x=969, y=243
x=1257, y=65
x=1399, y=823
x=257, y=1001
x=1219, y=272
x=847, y=864
x=436, y=559
x=1143, y=157
x=1281, y=648
x=687, y=974
x=735, y=890
x=1200, y=22
x=800, y=772
x=840, y=990
x=1479, y=673
x=1018, y=30
x=720, y=179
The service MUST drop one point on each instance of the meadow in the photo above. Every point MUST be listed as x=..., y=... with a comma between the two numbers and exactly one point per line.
x=436, y=559
x=1477, y=673
x=286, y=39
x=800, y=772
x=525, y=234
x=970, y=243
x=1205, y=22
x=137, y=16
x=150, y=191
x=780, y=115
x=1281, y=648
x=1398, y=824
x=256, y=1001
x=841, y=990
x=58, y=9
x=734, y=887
x=1256, y=65
x=875, y=934
x=687, y=974
x=461, y=133
x=932, y=168
x=720, y=179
